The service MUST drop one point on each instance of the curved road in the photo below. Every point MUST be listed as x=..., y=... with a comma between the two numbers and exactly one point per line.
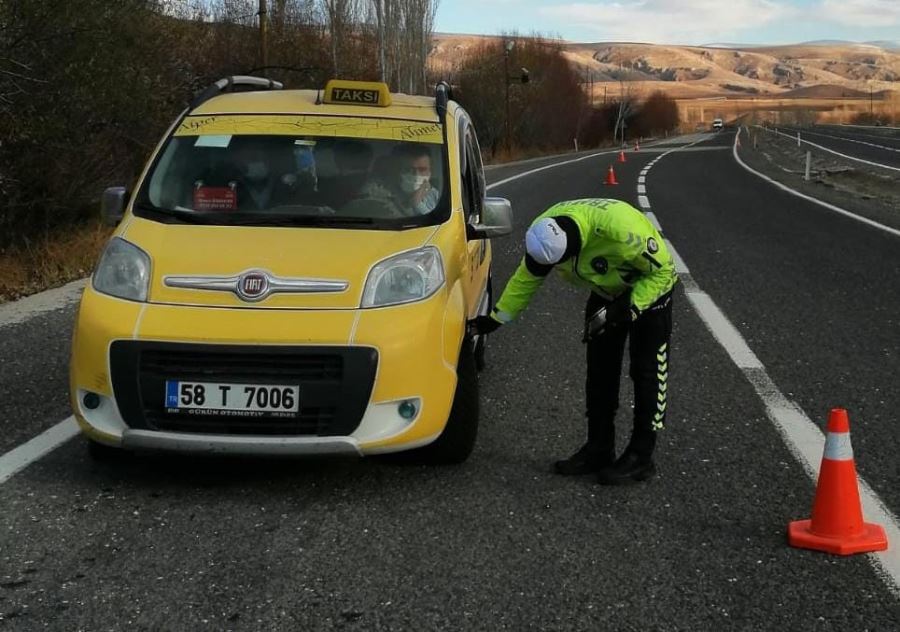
x=501, y=542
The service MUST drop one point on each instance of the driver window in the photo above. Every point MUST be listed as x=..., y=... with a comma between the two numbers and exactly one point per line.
x=473, y=183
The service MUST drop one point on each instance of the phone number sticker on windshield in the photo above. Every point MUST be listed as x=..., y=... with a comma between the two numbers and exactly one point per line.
x=309, y=125
x=243, y=400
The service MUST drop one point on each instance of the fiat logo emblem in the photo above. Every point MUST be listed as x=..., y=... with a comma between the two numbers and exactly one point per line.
x=253, y=286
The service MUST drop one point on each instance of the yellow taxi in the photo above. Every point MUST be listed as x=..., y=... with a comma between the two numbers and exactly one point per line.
x=292, y=275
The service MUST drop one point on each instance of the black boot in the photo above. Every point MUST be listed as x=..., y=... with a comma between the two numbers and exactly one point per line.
x=589, y=459
x=629, y=468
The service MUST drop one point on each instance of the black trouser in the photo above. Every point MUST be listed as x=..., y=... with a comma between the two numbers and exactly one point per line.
x=649, y=348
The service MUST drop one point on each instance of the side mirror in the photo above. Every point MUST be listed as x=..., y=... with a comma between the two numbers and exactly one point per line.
x=112, y=205
x=496, y=220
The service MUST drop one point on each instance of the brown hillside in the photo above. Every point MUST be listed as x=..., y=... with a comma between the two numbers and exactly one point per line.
x=691, y=71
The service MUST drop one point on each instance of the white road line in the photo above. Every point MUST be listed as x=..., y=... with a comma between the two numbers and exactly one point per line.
x=36, y=304
x=641, y=188
x=545, y=167
x=680, y=265
x=802, y=437
x=849, y=140
x=643, y=201
x=21, y=457
x=727, y=335
x=643, y=177
x=831, y=151
x=832, y=207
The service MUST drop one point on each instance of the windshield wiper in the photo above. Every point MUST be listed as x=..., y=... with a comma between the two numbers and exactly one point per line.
x=262, y=219
x=238, y=218
x=188, y=216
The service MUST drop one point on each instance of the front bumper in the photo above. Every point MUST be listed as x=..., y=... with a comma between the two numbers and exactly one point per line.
x=415, y=349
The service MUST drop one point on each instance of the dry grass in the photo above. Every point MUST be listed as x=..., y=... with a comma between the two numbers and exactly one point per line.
x=31, y=267
x=786, y=111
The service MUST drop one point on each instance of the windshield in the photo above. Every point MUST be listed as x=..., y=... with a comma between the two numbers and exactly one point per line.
x=296, y=170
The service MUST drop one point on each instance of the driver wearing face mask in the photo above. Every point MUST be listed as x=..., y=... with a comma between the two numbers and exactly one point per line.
x=415, y=179
x=403, y=179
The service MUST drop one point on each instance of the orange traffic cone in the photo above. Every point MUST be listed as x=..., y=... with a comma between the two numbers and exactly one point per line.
x=611, y=176
x=622, y=156
x=837, y=523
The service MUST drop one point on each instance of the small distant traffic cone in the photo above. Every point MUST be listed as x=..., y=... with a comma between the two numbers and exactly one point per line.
x=622, y=156
x=837, y=523
x=611, y=176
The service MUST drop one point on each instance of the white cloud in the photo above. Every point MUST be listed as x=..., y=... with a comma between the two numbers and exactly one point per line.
x=877, y=13
x=673, y=21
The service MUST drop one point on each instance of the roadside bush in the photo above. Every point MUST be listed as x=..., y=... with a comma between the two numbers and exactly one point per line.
x=87, y=87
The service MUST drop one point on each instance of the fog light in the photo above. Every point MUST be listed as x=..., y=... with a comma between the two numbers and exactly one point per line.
x=91, y=401
x=408, y=409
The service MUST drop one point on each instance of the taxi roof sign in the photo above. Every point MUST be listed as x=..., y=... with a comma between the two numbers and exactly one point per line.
x=341, y=92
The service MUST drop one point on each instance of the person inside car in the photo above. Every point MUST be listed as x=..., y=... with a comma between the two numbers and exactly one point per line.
x=405, y=180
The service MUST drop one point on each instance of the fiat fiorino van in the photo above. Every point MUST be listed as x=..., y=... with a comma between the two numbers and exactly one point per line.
x=292, y=274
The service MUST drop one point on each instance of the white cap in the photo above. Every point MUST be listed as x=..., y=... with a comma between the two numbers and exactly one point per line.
x=546, y=241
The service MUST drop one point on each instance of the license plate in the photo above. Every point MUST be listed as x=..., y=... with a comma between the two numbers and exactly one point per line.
x=240, y=400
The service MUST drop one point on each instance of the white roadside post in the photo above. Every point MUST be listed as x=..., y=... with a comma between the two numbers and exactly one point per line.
x=808, y=161
x=798, y=139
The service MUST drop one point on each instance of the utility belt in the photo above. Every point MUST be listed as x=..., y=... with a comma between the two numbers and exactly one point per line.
x=617, y=313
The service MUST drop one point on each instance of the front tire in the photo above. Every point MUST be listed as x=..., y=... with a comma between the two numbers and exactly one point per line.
x=457, y=441
x=481, y=341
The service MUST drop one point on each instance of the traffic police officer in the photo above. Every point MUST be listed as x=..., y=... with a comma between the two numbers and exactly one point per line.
x=612, y=249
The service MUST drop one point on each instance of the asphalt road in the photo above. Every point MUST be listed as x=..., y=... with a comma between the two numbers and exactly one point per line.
x=501, y=543
x=882, y=149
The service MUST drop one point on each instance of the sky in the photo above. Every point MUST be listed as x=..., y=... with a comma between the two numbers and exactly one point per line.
x=677, y=21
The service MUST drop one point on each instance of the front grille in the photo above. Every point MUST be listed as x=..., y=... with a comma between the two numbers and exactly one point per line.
x=335, y=385
x=243, y=366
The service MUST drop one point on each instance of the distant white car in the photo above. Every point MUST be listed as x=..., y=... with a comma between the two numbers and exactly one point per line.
x=717, y=124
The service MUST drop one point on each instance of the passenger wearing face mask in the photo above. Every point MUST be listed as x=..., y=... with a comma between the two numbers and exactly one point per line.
x=256, y=185
x=268, y=175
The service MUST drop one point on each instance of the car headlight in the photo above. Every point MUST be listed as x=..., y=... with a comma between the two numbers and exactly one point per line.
x=123, y=271
x=404, y=278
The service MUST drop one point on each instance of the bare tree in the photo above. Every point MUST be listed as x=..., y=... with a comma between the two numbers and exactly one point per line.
x=404, y=32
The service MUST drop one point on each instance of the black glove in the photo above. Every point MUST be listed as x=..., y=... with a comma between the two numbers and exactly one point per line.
x=482, y=325
x=616, y=313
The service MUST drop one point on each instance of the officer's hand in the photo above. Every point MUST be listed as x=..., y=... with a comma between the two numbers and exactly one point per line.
x=620, y=311
x=482, y=325
x=609, y=316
